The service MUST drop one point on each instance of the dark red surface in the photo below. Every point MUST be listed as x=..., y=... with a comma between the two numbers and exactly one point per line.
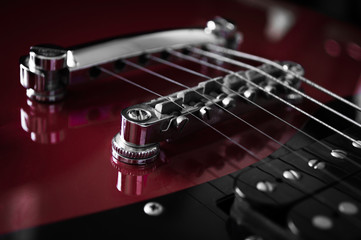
x=56, y=159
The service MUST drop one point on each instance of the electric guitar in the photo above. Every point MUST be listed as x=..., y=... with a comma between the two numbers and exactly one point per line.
x=207, y=119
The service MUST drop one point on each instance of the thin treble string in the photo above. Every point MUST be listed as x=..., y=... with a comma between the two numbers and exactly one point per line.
x=269, y=93
x=157, y=59
x=202, y=95
x=279, y=66
x=159, y=95
x=240, y=64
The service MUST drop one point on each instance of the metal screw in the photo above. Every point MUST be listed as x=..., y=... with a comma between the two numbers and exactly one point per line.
x=338, y=154
x=291, y=175
x=139, y=114
x=348, y=208
x=322, y=222
x=266, y=186
x=153, y=209
x=316, y=164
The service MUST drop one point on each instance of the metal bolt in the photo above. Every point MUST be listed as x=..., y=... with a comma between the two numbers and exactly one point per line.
x=337, y=153
x=348, y=208
x=153, y=209
x=322, y=222
x=266, y=186
x=316, y=164
x=139, y=114
x=291, y=175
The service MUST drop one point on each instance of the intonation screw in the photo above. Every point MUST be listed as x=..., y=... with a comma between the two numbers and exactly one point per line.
x=139, y=114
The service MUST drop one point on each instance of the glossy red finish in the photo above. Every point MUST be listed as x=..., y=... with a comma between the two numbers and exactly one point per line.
x=56, y=159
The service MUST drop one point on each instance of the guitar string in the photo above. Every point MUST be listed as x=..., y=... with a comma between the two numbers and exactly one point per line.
x=241, y=64
x=279, y=66
x=202, y=95
x=196, y=60
x=224, y=135
x=193, y=115
x=333, y=176
x=267, y=92
x=213, y=128
x=157, y=59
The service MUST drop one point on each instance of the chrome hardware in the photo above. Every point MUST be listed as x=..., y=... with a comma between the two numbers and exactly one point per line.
x=337, y=153
x=225, y=29
x=356, y=144
x=292, y=175
x=348, y=208
x=322, y=222
x=153, y=209
x=265, y=186
x=48, y=70
x=316, y=164
x=145, y=125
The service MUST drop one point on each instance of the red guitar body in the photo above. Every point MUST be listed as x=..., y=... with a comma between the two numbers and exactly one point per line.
x=56, y=158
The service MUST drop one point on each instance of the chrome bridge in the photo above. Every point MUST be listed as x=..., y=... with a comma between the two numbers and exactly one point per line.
x=144, y=126
x=48, y=70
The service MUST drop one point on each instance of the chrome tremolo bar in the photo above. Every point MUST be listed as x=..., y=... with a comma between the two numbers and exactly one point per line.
x=48, y=70
x=145, y=125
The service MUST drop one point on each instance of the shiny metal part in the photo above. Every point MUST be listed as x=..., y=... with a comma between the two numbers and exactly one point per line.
x=348, y=208
x=316, y=164
x=48, y=70
x=153, y=209
x=171, y=117
x=292, y=175
x=337, y=153
x=266, y=186
x=322, y=222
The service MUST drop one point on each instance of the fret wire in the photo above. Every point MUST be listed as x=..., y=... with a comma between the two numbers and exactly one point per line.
x=157, y=59
x=202, y=95
x=193, y=115
x=279, y=66
x=262, y=89
x=241, y=64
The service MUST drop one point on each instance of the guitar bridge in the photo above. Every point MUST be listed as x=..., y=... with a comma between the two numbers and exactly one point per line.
x=48, y=70
x=144, y=126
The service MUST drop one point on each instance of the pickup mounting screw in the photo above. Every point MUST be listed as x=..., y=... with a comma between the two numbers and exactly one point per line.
x=153, y=209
